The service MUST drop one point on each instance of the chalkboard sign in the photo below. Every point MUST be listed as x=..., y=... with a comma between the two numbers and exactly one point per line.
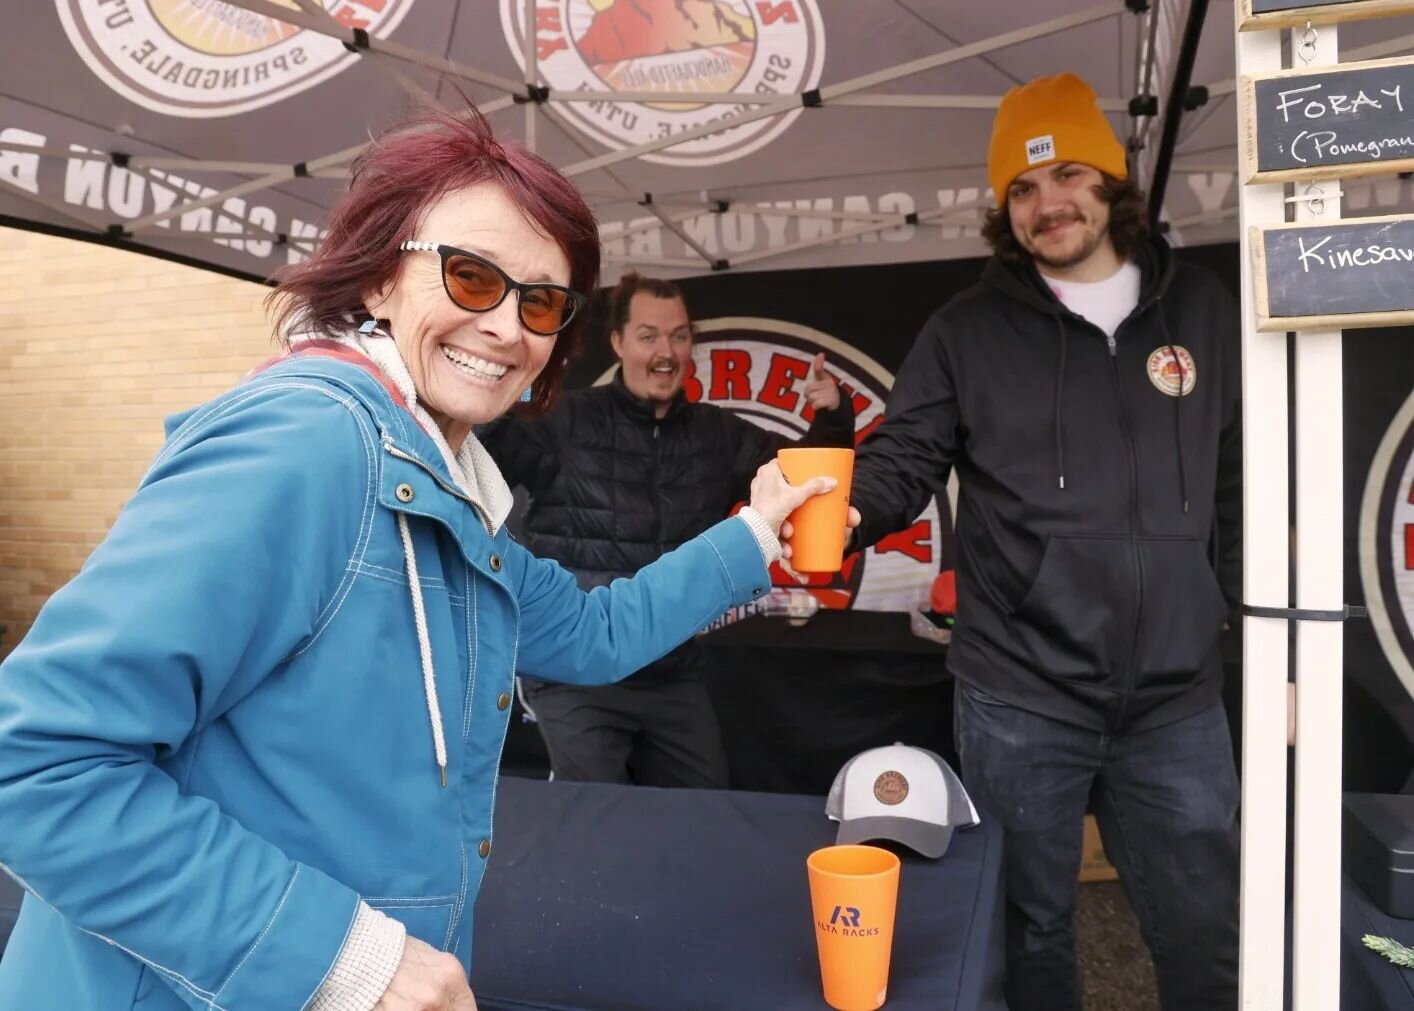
x=1350, y=119
x=1258, y=14
x=1342, y=274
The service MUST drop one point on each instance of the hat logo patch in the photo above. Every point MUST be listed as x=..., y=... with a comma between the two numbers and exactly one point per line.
x=890, y=788
x=1039, y=149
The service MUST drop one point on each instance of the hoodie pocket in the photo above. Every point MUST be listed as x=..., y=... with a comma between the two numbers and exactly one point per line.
x=426, y=918
x=1182, y=615
x=1077, y=619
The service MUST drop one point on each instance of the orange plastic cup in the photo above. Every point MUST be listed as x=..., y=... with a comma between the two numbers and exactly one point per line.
x=818, y=527
x=853, y=893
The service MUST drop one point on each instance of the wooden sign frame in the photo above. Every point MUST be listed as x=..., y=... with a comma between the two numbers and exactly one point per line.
x=1268, y=323
x=1247, y=105
x=1324, y=14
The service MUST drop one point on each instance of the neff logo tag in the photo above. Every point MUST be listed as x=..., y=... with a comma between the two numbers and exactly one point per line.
x=1039, y=149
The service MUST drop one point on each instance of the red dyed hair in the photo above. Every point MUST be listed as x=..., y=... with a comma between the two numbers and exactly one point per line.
x=394, y=181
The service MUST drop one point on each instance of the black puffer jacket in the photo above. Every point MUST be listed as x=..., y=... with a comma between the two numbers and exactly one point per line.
x=612, y=487
x=1098, y=521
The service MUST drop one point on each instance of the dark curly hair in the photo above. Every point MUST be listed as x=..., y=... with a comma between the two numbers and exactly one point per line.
x=1129, y=222
x=631, y=284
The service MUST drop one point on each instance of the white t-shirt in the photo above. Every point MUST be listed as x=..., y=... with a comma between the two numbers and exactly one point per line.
x=1105, y=303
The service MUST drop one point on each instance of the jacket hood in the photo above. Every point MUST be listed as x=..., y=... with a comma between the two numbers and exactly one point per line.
x=1024, y=283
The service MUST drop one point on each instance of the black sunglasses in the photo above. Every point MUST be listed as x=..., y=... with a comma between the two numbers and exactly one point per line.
x=477, y=285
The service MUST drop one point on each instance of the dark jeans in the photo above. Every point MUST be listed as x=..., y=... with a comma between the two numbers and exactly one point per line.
x=1166, y=802
x=650, y=731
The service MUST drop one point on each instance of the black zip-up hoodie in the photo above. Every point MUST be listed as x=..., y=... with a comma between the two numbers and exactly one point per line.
x=1099, y=516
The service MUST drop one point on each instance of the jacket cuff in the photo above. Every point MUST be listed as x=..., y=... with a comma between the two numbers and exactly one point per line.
x=366, y=963
x=766, y=540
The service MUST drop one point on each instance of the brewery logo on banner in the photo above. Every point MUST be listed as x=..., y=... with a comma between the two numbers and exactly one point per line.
x=673, y=48
x=757, y=368
x=200, y=58
x=1387, y=544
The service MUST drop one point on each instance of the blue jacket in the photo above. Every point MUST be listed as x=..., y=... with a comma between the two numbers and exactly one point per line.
x=216, y=739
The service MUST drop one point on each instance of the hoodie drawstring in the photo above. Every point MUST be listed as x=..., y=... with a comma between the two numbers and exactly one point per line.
x=424, y=646
x=1177, y=409
x=1060, y=396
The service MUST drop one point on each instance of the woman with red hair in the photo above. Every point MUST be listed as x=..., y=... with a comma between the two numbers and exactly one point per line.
x=248, y=755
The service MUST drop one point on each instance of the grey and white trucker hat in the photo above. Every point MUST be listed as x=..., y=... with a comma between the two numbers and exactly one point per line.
x=905, y=794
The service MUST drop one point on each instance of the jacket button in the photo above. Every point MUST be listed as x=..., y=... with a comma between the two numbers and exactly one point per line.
x=503, y=700
x=484, y=849
x=495, y=563
x=404, y=492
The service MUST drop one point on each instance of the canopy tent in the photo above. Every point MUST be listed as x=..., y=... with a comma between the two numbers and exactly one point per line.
x=220, y=132
x=728, y=136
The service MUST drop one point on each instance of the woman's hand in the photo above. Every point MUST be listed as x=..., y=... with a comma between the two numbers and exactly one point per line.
x=427, y=980
x=775, y=498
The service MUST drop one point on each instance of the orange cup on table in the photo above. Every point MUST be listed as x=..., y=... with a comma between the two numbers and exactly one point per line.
x=818, y=527
x=853, y=895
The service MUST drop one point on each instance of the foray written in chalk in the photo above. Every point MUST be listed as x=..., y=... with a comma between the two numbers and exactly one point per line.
x=1318, y=145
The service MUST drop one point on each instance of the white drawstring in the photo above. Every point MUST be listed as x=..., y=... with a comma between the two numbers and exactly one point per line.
x=424, y=645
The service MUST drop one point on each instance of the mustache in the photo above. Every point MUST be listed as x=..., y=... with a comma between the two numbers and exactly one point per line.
x=1051, y=220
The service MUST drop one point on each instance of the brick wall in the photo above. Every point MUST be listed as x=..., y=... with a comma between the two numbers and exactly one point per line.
x=97, y=346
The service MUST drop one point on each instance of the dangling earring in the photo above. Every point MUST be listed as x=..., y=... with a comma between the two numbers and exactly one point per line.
x=527, y=395
x=368, y=326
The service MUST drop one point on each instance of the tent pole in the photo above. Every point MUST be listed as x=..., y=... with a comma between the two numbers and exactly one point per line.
x=530, y=57
x=1173, y=113
x=865, y=101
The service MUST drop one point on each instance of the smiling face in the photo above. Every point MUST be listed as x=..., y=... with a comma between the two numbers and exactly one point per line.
x=655, y=348
x=1060, y=218
x=469, y=367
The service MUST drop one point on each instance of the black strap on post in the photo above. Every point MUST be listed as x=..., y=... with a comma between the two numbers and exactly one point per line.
x=1303, y=614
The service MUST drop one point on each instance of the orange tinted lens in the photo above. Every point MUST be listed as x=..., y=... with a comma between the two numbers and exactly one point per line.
x=544, y=310
x=473, y=285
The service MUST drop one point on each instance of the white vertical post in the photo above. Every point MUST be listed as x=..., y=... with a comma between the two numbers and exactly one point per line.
x=1265, y=547
x=1320, y=585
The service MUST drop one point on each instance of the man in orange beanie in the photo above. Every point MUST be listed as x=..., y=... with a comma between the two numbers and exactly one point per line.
x=1086, y=391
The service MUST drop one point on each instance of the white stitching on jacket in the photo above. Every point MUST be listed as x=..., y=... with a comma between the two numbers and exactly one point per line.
x=289, y=887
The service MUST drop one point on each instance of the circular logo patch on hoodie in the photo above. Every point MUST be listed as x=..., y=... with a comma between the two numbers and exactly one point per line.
x=1170, y=374
x=891, y=788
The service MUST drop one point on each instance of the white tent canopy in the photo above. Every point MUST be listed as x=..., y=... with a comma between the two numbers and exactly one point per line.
x=222, y=131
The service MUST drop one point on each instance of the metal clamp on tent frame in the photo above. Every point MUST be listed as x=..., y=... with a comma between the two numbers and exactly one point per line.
x=359, y=43
x=1305, y=614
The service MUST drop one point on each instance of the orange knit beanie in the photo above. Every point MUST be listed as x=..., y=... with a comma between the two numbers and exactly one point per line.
x=1048, y=120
